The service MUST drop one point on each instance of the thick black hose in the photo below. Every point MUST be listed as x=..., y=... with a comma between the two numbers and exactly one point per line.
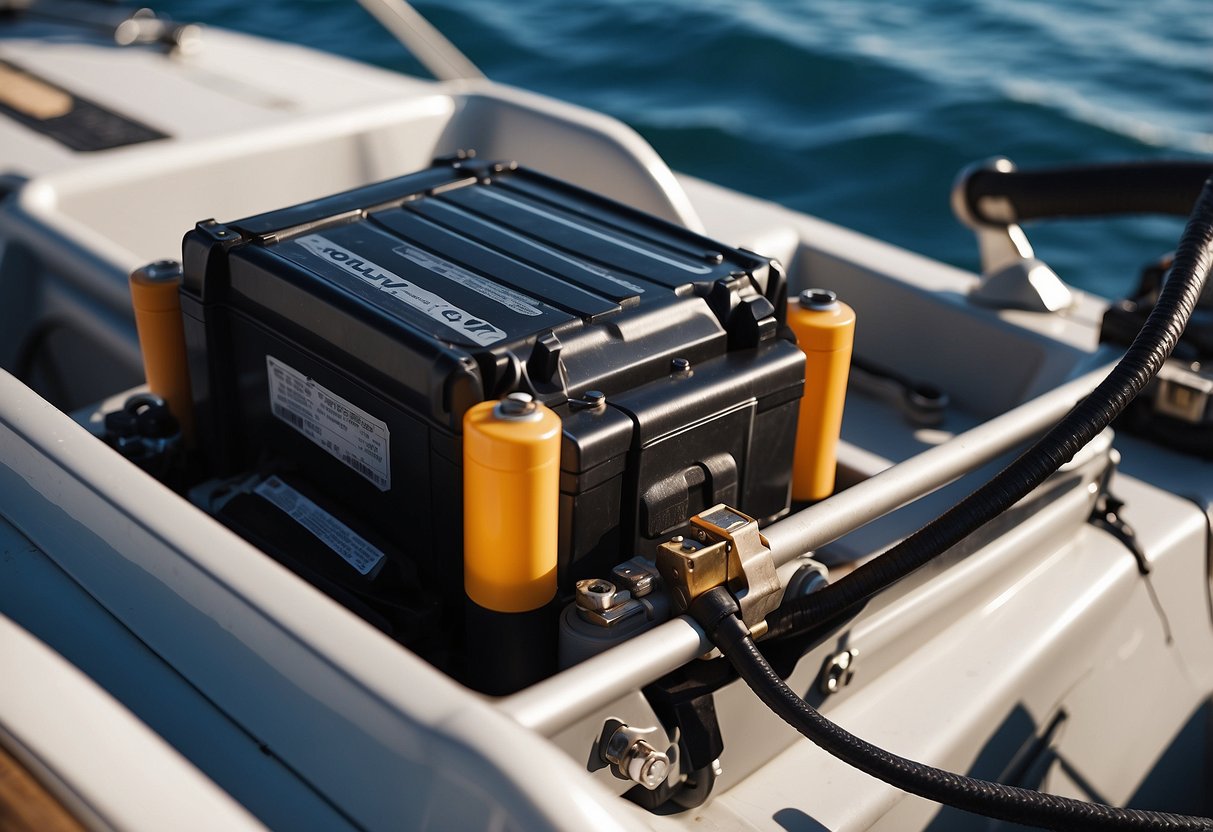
x=1139, y=364
x=1158, y=187
x=716, y=612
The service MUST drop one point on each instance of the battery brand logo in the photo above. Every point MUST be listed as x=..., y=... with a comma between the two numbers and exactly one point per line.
x=424, y=301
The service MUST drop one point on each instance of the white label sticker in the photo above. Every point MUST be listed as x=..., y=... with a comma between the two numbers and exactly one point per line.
x=511, y=300
x=332, y=532
x=343, y=429
x=424, y=301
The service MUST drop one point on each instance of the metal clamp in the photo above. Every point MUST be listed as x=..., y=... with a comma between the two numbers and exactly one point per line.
x=1011, y=275
x=724, y=548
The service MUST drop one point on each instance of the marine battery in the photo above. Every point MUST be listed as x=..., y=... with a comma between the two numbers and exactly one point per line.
x=348, y=336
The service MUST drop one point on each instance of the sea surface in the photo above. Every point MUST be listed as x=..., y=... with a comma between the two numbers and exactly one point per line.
x=859, y=112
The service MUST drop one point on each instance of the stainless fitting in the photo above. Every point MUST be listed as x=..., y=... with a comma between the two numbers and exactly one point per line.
x=589, y=400
x=596, y=594
x=638, y=576
x=631, y=756
x=601, y=603
x=837, y=671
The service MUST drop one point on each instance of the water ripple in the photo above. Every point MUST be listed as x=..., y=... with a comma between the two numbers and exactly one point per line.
x=860, y=112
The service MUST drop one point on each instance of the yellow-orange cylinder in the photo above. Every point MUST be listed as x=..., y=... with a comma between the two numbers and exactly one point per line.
x=511, y=497
x=825, y=331
x=154, y=295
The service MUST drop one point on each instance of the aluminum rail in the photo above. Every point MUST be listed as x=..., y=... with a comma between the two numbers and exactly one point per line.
x=418, y=35
x=561, y=700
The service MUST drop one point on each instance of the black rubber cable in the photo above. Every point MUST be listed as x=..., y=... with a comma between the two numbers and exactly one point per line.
x=1140, y=363
x=716, y=612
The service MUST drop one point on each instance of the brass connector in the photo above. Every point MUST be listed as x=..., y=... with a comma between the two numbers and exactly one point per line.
x=690, y=568
x=724, y=548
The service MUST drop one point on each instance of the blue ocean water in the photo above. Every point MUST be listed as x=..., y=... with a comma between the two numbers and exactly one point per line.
x=859, y=112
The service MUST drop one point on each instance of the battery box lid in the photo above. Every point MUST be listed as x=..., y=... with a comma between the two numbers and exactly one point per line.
x=470, y=279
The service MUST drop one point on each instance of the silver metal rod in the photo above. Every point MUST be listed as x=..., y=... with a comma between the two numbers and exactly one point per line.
x=560, y=701
x=819, y=524
x=428, y=45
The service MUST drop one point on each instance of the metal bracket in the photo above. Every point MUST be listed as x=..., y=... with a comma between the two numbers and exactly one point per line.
x=1011, y=275
x=837, y=672
x=724, y=548
x=1106, y=515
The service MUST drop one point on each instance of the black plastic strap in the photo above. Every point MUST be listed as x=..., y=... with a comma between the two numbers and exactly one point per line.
x=1163, y=187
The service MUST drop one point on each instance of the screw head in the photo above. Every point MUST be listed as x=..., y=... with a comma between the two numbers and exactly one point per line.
x=680, y=365
x=594, y=398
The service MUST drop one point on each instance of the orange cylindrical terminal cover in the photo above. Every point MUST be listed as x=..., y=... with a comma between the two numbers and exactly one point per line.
x=154, y=295
x=511, y=500
x=825, y=331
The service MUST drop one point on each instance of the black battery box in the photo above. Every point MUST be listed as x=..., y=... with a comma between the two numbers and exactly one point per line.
x=349, y=336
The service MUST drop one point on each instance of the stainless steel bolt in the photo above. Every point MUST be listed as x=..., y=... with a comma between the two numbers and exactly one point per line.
x=646, y=765
x=632, y=757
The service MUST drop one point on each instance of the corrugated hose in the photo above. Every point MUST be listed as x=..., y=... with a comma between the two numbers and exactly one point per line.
x=716, y=611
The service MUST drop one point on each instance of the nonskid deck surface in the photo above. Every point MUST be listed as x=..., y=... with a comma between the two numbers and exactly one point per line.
x=225, y=654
